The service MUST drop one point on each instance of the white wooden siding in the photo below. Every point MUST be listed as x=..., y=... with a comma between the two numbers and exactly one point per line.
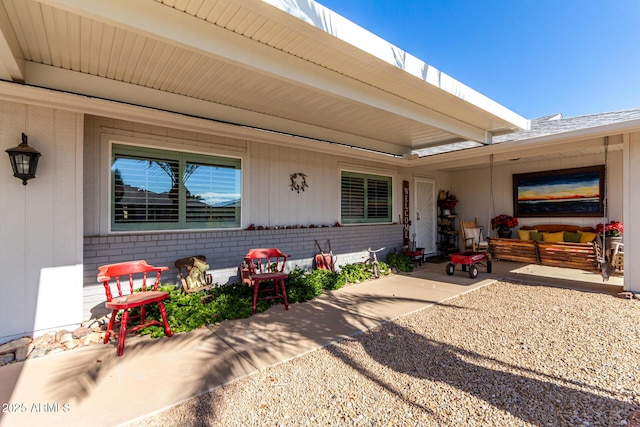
x=41, y=223
x=267, y=196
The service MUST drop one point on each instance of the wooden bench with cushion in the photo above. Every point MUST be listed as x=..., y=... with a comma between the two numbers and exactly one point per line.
x=580, y=255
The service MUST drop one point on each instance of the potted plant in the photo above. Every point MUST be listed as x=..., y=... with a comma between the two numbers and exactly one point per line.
x=504, y=224
x=611, y=229
x=613, y=232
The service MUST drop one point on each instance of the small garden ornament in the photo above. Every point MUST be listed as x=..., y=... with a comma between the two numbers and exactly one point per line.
x=196, y=278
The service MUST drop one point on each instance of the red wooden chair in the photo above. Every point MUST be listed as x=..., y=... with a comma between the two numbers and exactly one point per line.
x=266, y=265
x=125, y=302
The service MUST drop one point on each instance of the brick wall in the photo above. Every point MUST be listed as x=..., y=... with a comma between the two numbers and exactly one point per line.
x=225, y=250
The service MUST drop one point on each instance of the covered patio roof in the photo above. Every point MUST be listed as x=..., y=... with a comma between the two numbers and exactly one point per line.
x=288, y=67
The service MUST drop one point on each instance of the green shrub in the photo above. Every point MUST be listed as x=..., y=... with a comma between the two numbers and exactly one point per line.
x=305, y=286
x=384, y=268
x=326, y=279
x=355, y=273
x=231, y=306
x=334, y=281
x=186, y=312
x=233, y=301
x=401, y=262
x=300, y=288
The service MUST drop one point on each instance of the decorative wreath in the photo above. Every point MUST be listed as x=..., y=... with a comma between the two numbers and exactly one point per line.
x=298, y=186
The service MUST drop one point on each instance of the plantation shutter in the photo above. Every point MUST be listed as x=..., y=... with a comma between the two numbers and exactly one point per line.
x=378, y=199
x=365, y=198
x=352, y=198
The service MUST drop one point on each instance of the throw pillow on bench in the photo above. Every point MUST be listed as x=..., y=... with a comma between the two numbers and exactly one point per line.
x=560, y=236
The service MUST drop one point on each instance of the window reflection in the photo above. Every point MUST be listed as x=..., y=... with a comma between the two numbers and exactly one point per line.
x=173, y=193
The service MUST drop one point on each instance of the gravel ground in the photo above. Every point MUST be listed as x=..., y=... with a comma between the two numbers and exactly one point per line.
x=505, y=355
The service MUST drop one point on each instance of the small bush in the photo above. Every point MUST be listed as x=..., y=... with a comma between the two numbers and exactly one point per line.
x=186, y=312
x=327, y=280
x=355, y=273
x=231, y=306
x=401, y=262
x=384, y=268
x=233, y=301
x=305, y=286
x=300, y=288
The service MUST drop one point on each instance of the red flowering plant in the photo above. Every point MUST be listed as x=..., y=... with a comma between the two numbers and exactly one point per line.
x=504, y=222
x=611, y=229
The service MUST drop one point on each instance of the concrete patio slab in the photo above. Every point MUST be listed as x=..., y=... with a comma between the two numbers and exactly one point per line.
x=93, y=386
x=278, y=335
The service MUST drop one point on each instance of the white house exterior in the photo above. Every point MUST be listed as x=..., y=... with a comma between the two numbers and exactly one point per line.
x=267, y=89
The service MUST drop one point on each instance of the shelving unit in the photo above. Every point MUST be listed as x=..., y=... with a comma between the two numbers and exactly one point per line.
x=447, y=227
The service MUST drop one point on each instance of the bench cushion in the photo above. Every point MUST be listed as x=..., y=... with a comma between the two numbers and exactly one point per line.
x=536, y=236
x=553, y=237
x=572, y=237
x=554, y=228
x=587, y=237
x=525, y=234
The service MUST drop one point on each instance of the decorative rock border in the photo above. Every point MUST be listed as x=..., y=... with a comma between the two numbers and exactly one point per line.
x=21, y=349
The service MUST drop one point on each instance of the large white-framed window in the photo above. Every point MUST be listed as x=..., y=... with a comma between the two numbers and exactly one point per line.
x=365, y=198
x=156, y=189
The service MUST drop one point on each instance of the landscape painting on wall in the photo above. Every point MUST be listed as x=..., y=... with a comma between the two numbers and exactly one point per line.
x=566, y=192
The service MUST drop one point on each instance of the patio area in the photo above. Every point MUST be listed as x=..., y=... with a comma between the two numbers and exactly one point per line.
x=155, y=374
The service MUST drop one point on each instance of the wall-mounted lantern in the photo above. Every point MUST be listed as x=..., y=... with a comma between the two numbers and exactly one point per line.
x=24, y=160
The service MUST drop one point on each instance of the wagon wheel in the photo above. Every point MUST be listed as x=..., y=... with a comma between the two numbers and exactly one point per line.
x=451, y=267
x=488, y=266
x=473, y=271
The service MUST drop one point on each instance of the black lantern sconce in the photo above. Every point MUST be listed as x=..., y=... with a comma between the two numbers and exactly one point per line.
x=24, y=160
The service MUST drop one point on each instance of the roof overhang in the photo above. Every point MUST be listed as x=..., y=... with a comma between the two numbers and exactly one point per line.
x=290, y=67
x=567, y=144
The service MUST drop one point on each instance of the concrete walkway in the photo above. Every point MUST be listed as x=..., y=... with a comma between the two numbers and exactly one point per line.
x=92, y=386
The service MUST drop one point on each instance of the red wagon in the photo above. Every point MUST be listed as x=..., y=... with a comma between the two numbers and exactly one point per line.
x=471, y=259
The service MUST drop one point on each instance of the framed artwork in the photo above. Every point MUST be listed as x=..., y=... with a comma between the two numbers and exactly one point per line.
x=564, y=192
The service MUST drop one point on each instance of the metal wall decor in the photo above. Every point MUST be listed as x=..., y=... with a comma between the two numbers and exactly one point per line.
x=298, y=182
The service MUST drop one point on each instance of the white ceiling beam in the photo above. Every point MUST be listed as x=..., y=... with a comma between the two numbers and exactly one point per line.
x=99, y=87
x=169, y=25
x=370, y=45
x=100, y=107
x=11, y=59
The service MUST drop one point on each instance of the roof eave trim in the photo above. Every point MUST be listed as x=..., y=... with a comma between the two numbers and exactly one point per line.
x=333, y=24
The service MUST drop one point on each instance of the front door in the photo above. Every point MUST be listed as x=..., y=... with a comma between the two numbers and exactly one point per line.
x=425, y=215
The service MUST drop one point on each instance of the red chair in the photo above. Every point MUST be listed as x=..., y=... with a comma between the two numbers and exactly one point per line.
x=266, y=265
x=126, y=271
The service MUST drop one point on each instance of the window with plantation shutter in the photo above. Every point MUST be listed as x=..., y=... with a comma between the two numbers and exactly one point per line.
x=160, y=190
x=365, y=198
